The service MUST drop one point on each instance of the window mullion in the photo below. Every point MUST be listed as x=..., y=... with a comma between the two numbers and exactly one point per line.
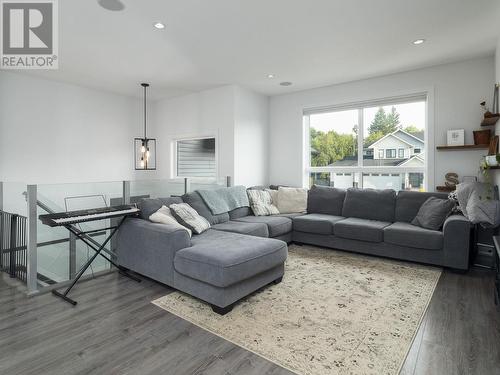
x=361, y=127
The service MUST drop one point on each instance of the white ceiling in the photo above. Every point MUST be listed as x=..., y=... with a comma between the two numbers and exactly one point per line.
x=209, y=43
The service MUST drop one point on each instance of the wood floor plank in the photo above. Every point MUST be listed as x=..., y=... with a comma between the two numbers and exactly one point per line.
x=115, y=329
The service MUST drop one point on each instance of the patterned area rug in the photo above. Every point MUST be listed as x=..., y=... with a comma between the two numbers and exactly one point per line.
x=334, y=313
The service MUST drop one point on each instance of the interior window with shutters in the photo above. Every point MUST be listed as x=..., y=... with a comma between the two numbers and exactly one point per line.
x=196, y=158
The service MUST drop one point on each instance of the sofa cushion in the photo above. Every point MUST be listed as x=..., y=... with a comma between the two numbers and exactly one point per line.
x=291, y=200
x=360, y=229
x=433, y=213
x=252, y=229
x=325, y=200
x=370, y=204
x=405, y=234
x=261, y=202
x=277, y=225
x=316, y=223
x=409, y=202
x=164, y=216
x=195, y=200
x=223, y=259
x=149, y=206
x=240, y=212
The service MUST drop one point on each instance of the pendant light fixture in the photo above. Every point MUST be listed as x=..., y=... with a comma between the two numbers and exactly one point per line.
x=145, y=148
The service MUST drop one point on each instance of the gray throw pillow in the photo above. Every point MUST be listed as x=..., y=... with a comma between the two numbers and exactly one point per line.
x=433, y=213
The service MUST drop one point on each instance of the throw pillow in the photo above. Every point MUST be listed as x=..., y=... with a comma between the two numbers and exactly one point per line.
x=292, y=200
x=261, y=203
x=274, y=196
x=187, y=216
x=433, y=213
x=164, y=216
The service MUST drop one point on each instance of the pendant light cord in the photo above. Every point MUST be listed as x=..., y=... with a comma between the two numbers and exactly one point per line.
x=145, y=111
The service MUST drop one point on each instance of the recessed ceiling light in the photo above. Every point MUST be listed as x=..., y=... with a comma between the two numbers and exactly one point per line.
x=113, y=5
x=270, y=76
x=159, y=25
x=286, y=83
x=418, y=41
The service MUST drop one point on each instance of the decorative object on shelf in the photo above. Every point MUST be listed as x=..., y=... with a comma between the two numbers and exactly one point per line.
x=491, y=160
x=491, y=118
x=482, y=137
x=455, y=137
x=451, y=180
x=145, y=148
x=444, y=189
x=493, y=149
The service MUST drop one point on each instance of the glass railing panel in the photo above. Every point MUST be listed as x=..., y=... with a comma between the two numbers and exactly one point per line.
x=206, y=184
x=155, y=188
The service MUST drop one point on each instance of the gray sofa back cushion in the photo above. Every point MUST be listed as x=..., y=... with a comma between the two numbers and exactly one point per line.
x=325, y=200
x=238, y=213
x=370, y=204
x=195, y=200
x=149, y=206
x=409, y=202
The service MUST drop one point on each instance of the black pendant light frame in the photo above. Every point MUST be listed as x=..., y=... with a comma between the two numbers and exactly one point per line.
x=145, y=148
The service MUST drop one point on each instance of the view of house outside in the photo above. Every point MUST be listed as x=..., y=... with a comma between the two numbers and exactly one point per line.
x=392, y=141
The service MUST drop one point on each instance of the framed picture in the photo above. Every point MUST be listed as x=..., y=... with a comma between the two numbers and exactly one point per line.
x=455, y=137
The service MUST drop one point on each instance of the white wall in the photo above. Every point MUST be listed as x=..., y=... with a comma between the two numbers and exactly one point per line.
x=251, y=138
x=455, y=91
x=236, y=116
x=207, y=113
x=497, y=61
x=52, y=132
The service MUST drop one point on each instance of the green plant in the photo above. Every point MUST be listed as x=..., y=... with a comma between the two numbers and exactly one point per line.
x=485, y=170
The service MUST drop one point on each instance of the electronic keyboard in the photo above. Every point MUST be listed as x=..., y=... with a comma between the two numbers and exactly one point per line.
x=81, y=216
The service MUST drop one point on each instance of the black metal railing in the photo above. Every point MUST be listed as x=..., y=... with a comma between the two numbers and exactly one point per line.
x=13, y=253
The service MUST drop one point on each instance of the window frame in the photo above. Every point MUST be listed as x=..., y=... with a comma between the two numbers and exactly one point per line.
x=174, y=142
x=425, y=96
x=401, y=153
x=390, y=153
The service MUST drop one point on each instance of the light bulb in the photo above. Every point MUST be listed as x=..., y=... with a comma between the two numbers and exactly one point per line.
x=143, y=149
x=147, y=155
x=142, y=163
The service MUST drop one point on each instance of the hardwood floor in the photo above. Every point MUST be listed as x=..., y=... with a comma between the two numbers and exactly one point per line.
x=115, y=329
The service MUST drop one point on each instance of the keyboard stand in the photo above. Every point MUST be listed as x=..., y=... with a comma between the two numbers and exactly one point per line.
x=98, y=251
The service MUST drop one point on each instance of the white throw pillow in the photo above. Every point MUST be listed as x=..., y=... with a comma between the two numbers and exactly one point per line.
x=164, y=216
x=189, y=217
x=261, y=203
x=292, y=200
x=274, y=196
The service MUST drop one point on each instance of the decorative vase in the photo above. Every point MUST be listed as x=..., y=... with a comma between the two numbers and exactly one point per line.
x=482, y=137
x=491, y=160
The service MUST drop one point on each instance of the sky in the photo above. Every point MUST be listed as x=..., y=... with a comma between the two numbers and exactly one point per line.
x=343, y=121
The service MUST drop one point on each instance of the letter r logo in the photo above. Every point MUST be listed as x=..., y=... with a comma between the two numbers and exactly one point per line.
x=27, y=28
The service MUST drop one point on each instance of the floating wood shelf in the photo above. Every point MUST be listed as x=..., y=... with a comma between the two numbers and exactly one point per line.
x=445, y=189
x=495, y=167
x=464, y=147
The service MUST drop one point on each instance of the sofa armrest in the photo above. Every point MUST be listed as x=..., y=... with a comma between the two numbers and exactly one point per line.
x=149, y=248
x=456, y=231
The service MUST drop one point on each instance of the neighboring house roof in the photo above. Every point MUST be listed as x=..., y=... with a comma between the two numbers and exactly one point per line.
x=402, y=136
x=353, y=162
x=418, y=158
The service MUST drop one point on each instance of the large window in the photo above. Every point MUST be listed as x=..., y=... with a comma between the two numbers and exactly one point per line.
x=376, y=145
x=195, y=157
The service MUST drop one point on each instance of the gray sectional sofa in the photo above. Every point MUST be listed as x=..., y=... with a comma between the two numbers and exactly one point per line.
x=242, y=252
